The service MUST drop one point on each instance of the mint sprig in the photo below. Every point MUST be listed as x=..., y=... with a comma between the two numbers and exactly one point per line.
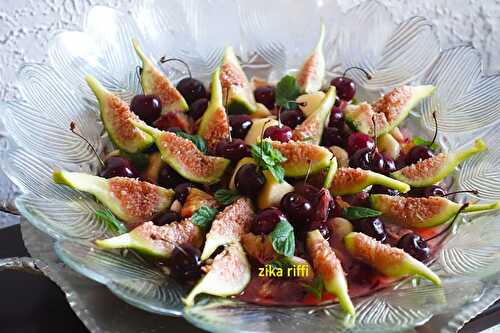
x=283, y=239
x=421, y=141
x=287, y=90
x=356, y=213
x=111, y=222
x=269, y=158
x=225, y=196
x=196, y=139
x=204, y=217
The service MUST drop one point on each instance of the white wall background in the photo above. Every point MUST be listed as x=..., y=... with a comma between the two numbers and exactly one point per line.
x=26, y=26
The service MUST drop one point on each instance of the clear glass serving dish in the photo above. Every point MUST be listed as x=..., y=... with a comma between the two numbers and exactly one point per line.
x=271, y=38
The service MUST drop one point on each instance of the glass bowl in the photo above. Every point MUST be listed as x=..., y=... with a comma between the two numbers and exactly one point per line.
x=271, y=38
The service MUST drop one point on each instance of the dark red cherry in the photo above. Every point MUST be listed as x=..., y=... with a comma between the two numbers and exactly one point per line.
x=233, y=150
x=191, y=89
x=346, y=88
x=166, y=218
x=265, y=95
x=324, y=231
x=296, y=208
x=357, y=199
x=379, y=189
x=169, y=178
x=389, y=165
x=278, y=133
x=332, y=136
x=308, y=191
x=336, y=117
x=362, y=158
x=372, y=227
x=357, y=141
x=174, y=119
x=146, y=107
x=377, y=162
x=182, y=191
x=265, y=221
x=419, y=153
x=240, y=125
x=292, y=118
x=185, y=263
x=249, y=180
x=118, y=166
x=321, y=209
x=415, y=246
x=198, y=108
x=433, y=191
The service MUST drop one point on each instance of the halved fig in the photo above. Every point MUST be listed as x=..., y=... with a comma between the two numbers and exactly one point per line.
x=351, y=181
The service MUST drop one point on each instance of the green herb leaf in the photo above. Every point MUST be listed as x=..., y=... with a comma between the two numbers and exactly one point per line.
x=196, y=139
x=139, y=160
x=287, y=90
x=283, y=239
x=421, y=141
x=268, y=158
x=111, y=222
x=225, y=196
x=204, y=217
x=316, y=288
x=281, y=262
x=356, y=213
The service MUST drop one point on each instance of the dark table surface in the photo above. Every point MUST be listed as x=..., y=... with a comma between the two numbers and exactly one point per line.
x=34, y=304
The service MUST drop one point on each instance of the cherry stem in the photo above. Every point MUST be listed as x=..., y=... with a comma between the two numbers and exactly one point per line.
x=72, y=127
x=436, y=128
x=465, y=205
x=368, y=76
x=309, y=167
x=164, y=60
x=476, y=192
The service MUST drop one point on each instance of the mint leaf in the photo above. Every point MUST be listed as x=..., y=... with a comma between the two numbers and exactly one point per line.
x=111, y=222
x=268, y=158
x=226, y=196
x=196, y=139
x=204, y=217
x=356, y=213
x=283, y=239
x=281, y=262
x=316, y=288
x=287, y=90
x=421, y=141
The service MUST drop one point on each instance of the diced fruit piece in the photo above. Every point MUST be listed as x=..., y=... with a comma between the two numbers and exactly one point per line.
x=388, y=146
x=195, y=200
x=249, y=180
x=115, y=115
x=154, y=82
x=185, y=158
x=131, y=200
x=242, y=162
x=388, y=111
x=308, y=103
x=265, y=95
x=154, y=240
x=351, y=181
x=258, y=127
x=311, y=129
x=152, y=172
x=261, y=111
x=259, y=247
x=390, y=261
x=228, y=275
x=435, y=169
x=329, y=268
x=228, y=226
x=272, y=192
x=311, y=74
x=421, y=212
x=298, y=155
x=214, y=125
x=340, y=227
x=235, y=86
x=341, y=156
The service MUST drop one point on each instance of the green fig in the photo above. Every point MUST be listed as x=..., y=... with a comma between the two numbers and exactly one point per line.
x=390, y=261
x=131, y=200
x=154, y=82
x=115, y=115
x=432, y=170
x=423, y=212
x=184, y=157
x=351, y=181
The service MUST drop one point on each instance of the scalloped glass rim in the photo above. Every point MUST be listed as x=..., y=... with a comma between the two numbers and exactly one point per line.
x=54, y=94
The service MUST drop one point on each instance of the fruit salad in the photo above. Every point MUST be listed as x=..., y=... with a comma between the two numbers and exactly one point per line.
x=290, y=193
